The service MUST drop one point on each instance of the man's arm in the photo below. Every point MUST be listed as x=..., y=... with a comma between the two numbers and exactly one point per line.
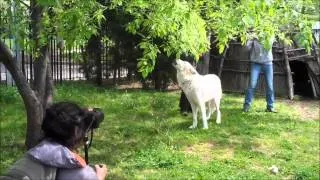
x=249, y=44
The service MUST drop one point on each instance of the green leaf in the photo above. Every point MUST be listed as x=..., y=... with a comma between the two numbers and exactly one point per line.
x=98, y=15
x=48, y=2
x=221, y=48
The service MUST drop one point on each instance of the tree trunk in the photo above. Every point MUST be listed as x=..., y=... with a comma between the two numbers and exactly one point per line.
x=36, y=110
x=40, y=72
x=36, y=99
x=94, y=51
x=116, y=63
x=33, y=108
x=184, y=104
x=203, y=69
x=48, y=97
x=203, y=64
x=34, y=121
x=43, y=90
x=157, y=79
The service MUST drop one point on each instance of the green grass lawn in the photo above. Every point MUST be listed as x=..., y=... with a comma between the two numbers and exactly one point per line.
x=144, y=136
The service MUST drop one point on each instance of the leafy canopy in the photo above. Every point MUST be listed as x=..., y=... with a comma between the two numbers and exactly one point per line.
x=170, y=27
x=262, y=19
x=181, y=25
x=71, y=20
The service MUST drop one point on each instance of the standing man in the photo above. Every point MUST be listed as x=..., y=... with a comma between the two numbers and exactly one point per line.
x=261, y=60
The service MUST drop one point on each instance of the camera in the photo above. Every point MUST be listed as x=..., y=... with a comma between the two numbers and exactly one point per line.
x=92, y=121
x=93, y=118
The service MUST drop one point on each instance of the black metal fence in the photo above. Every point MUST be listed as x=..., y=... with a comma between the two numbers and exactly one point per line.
x=66, y=64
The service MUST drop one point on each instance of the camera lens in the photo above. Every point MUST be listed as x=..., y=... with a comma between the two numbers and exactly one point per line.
x=98, y=116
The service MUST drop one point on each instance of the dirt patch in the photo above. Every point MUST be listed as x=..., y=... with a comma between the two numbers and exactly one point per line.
x=148, y=171
x=139, y=85
x=208, y=151
x=256, y=166
x=202, y=150
x=263, y=146
x=308, y=109
x=133, y=85
x=224, y=153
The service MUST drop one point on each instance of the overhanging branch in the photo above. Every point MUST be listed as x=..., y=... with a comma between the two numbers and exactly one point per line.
x=7, y=58
x=25, y=4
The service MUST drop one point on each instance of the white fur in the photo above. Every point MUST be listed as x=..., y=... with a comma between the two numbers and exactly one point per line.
x=202, y=91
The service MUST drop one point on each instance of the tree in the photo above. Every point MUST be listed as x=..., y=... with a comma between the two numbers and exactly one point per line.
x=233, y=20
x=176, y=27
x=169, y=27
x=72, y=20
x=122, y=44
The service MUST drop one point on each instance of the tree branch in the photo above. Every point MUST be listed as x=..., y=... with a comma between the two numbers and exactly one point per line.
x=24, y=4
x=6, y=57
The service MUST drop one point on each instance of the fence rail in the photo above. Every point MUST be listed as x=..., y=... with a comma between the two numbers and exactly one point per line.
x=66, y=64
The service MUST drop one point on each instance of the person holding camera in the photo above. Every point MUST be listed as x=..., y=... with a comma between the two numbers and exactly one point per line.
x=65, y=127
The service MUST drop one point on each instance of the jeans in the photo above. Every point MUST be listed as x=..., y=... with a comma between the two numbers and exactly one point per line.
x=267, y=69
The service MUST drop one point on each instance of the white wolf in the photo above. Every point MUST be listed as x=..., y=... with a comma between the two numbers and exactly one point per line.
x=200, y=90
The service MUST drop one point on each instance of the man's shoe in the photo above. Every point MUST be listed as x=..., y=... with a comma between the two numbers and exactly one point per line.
x=184, y=113
x=246, y=108
x=271, y=110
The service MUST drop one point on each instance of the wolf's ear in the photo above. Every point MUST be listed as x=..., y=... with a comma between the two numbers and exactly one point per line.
x=193, y=71
x=190, y=71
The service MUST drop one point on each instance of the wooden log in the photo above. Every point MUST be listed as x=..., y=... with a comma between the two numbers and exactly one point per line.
x=312, y=85
x=316, y=53
x=239, y=71
x=299, y=57
x=277, y=59
x=240, y=60
x=297, y=49
x=235, y=43
x=247, y=60
x=236, y=71
x=289, y=76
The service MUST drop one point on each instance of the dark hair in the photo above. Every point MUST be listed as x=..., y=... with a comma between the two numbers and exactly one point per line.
x=64, y=123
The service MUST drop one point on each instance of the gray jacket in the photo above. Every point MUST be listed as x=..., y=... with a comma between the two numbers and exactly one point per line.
x=258, y=54
x=50, y=160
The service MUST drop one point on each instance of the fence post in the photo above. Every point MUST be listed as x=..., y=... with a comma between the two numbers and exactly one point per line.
x=289, y=75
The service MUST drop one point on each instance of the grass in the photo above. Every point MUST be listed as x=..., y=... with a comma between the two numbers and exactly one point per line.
x=144, y=136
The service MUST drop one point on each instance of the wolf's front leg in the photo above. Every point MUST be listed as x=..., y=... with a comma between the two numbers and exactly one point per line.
x=194, y=116
x=204, y=117
x=217, y=104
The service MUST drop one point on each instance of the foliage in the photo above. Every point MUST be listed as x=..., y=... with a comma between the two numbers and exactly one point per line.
x=73, y=21
x=176, y=27
x=13, y=21
x=76, y=20
x=143, y=136
x=265, y=19
x=170, y=27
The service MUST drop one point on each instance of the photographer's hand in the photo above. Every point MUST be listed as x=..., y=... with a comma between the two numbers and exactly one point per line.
x=101, y=170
